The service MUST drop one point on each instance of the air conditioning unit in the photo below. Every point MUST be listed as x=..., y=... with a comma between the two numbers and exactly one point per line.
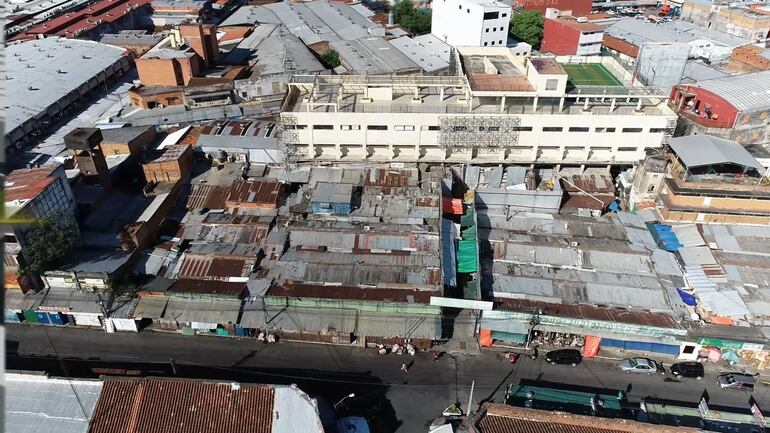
x=582, y=20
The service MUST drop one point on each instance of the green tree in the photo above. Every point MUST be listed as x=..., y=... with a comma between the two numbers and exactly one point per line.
x=402, y=9
x=48, y=241
x=415, y=21
x=330, y=58
x=527, y=27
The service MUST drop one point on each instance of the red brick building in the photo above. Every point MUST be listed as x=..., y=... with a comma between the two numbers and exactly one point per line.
x=578, y=7
x=565, y=34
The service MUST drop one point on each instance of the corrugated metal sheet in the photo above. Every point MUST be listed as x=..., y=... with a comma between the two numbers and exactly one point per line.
x=150, y=307
x=688, y=235
x=697, y=256
x=218, y=311
x=196, y=406
x=36, y=403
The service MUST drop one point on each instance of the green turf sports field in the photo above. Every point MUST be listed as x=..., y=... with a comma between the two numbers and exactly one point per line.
x=590, y=74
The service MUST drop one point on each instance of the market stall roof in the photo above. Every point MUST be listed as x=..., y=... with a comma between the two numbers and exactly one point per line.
x=150, y=307
x=701, y=150
x=202, y=310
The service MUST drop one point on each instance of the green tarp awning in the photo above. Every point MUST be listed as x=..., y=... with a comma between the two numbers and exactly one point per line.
x=467, y=256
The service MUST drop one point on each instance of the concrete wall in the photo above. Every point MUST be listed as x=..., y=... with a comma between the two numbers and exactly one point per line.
x=462, y=23
x=662, y=65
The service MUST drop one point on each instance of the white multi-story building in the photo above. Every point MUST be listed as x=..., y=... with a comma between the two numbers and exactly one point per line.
x=501, y=108
x=471, y=23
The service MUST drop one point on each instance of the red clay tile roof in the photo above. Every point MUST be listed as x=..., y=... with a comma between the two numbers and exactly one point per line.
x=153, y=405
x=26, y=184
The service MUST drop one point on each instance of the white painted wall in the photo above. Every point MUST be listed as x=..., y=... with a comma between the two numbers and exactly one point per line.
x=462, y=23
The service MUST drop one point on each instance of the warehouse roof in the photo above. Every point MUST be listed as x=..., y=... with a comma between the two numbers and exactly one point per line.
x=123, y=135
x=332, y=193
x=638, y=32
x=36, y=403
x=373, y=55
x=430, y=58
x=700, y=150
x=25, y=184
x=275, y=50
x=320, y=20
x=745, y=92
x=183, y=405
x=53, y=68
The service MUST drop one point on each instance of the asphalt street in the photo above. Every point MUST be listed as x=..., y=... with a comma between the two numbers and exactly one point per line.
x=401, y=402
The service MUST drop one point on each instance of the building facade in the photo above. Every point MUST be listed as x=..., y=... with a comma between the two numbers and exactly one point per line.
x=566, y=34
x=735, y=107
x=713, y=180
x=750, y=21
x=472, y=23
x=506, y=109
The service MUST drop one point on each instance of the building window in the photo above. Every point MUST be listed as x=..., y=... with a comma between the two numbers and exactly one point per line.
x=460, y=7
x=323, y=127
x=626, y=149
x=295, y=127
x=505, y=15
x=350, y=127
x=658, y=130
x=377, y=127
x=551, y=84
x=491, y=15
x=651, y=188
x=632, y=129
x=485, y=44
x=430, y=128
x=404, y=127
x=604, y=130
x=468, y=11
x=522, y=128
x=493, y=42
x=578, y=129
x=500, y=42
x=487, y=30
x=552, y=129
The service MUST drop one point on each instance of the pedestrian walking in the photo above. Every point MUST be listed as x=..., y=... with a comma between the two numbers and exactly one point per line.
x=404, y=368
x=435, y=356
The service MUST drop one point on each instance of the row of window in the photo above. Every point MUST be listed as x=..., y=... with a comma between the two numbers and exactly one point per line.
x=494, y=29
x=500, y=42
x=481, y=128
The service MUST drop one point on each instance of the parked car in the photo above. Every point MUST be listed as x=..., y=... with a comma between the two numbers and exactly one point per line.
x=640, y=365
x=564, y=356
x=737, y=381
x=687, y=369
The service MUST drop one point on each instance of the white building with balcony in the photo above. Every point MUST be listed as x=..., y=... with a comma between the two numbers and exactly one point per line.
x=500, y=109
x=472, y=23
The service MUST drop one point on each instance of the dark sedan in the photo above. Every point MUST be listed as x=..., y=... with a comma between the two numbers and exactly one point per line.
x=564, y=356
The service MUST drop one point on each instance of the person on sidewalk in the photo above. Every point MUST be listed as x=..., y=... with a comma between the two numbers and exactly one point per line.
x=404, y=368
x=435, y=356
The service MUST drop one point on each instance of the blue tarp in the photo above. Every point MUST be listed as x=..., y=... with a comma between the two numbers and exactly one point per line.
x=686, y=297
x=664, y=236
x=642, y=346
x=448, y=256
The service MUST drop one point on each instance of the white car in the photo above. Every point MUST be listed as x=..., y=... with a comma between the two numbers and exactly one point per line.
x=640, y=365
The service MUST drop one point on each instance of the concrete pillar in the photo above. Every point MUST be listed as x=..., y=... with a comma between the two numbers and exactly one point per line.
x=612, y=105
x=441, y=94
x=582, y=168
x=639, y=105
x=561, y=104
x=585, y=104
x=338, y=149
x=502, y=104
x=534, y=105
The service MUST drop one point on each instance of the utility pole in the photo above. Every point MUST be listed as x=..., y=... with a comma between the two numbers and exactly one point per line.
x=173, y=366
x=470, y=399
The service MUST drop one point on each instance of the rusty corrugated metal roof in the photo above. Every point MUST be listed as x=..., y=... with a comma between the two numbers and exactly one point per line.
x=214, y=268
x=298, y=290
x=260, y=193
x=208, y=287
x=590, y=312
x=207, y=196
x=153, y=405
